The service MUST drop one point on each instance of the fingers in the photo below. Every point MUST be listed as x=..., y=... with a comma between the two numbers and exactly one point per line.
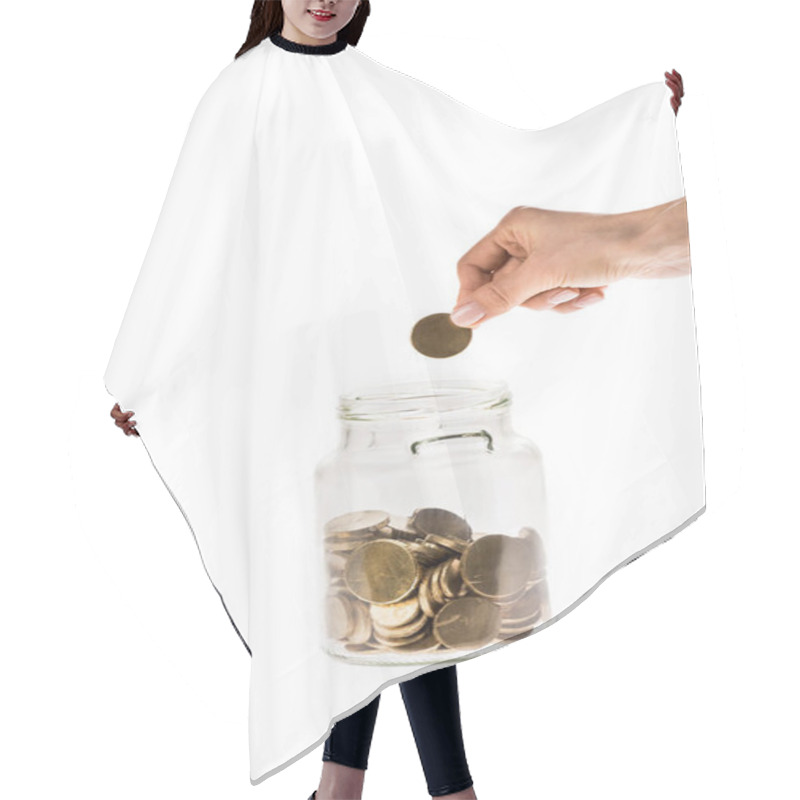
x=565, y=300
x=588, y=297
x=499, y=296
x=122, y=419
x=118, y=413
x=522, y=262
x=675, y=82
x=674, y=76
x=503, y=290
x=552, y=298
x=497, y=274
x=476, y=267
x=128, y=427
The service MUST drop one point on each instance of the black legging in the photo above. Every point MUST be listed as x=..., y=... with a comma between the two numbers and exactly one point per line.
x=432, y=706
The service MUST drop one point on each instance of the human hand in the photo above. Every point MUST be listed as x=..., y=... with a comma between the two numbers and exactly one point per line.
x=675, y=82
x=563, y=260
x=123, y=420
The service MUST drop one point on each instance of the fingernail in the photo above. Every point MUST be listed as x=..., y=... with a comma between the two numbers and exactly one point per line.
x=587, y=300
x=468, y=313
x=562, y=297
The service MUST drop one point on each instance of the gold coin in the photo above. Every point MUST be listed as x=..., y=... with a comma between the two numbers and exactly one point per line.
x=425, y=600
x=343, y=548
x=396, y=615
x=381, y=571
x=435, y=552
x=423, y=554
x=506, y=600
x=404, y=632
x=353, y=537
x=437, y=336
x=360, y=648
x=510, y=633
x=451, y=578
x=356, y=521
x=392, y=643
x=440, y=571
x=402, y=528
x=445, y=588
x=441, y=522
x=339, y=616
x=335, y=562
x=518, y=624
x=467, y=622
x=457, y=546
x=363, y=624
x=497, y=566
x=423, y=644
x=514, y=626
x=535, y=538
x=528, y=604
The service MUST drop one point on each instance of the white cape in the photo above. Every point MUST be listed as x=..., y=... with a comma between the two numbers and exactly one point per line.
x=317, y=211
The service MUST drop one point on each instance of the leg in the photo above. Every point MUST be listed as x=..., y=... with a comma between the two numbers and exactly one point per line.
x=434, y=713
x=346, y=753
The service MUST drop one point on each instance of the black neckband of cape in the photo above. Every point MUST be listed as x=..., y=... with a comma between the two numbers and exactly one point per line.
x=308, y=49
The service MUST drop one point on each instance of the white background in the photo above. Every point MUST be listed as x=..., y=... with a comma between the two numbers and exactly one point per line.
x=122, y=676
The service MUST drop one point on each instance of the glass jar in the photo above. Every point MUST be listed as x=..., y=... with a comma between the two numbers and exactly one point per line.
x=434, y=520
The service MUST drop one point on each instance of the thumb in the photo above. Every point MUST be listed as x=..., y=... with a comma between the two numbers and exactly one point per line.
x=507, y=287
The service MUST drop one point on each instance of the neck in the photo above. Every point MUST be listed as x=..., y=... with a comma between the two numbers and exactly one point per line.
x=294, y=34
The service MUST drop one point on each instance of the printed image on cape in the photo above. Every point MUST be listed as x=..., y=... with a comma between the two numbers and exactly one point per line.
x=366, y=512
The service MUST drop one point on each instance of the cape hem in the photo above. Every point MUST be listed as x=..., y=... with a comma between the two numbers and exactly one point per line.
x=177, y=503
x=483, y=651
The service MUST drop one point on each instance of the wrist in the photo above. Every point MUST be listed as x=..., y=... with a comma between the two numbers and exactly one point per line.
x=651, y=242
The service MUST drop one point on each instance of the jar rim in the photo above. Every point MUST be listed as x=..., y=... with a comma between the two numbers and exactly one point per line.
x=421, y=399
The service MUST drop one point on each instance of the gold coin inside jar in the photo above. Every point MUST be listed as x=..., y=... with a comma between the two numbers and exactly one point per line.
x=395, y=615
x=441, y=522
x=355, y=521
x=467, y=622
x=339, y=616
x=497, y=566
x=381, y=571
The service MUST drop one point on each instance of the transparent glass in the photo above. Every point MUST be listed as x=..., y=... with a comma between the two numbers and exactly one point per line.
x=434, y=521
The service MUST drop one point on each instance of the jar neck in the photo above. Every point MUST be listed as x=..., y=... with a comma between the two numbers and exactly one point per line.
x=479, y=430
x=420, y=416
x=445, y=400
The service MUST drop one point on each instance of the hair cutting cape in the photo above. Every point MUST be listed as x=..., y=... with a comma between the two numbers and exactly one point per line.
x=338, y=482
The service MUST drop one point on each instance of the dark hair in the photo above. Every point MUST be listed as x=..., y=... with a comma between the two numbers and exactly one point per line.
x=266, y=18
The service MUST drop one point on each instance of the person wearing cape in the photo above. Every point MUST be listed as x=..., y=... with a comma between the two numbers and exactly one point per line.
x=378, y=490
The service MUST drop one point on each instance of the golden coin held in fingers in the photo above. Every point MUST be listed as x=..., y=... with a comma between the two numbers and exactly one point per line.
x=437, y=336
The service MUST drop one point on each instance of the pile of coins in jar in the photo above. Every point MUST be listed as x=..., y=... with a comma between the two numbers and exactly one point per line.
x=427, y=582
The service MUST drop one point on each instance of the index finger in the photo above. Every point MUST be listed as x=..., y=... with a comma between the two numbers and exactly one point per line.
x=475, y=267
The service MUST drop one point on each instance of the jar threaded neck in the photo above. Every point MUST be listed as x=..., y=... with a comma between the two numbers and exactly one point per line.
x=422, y=400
